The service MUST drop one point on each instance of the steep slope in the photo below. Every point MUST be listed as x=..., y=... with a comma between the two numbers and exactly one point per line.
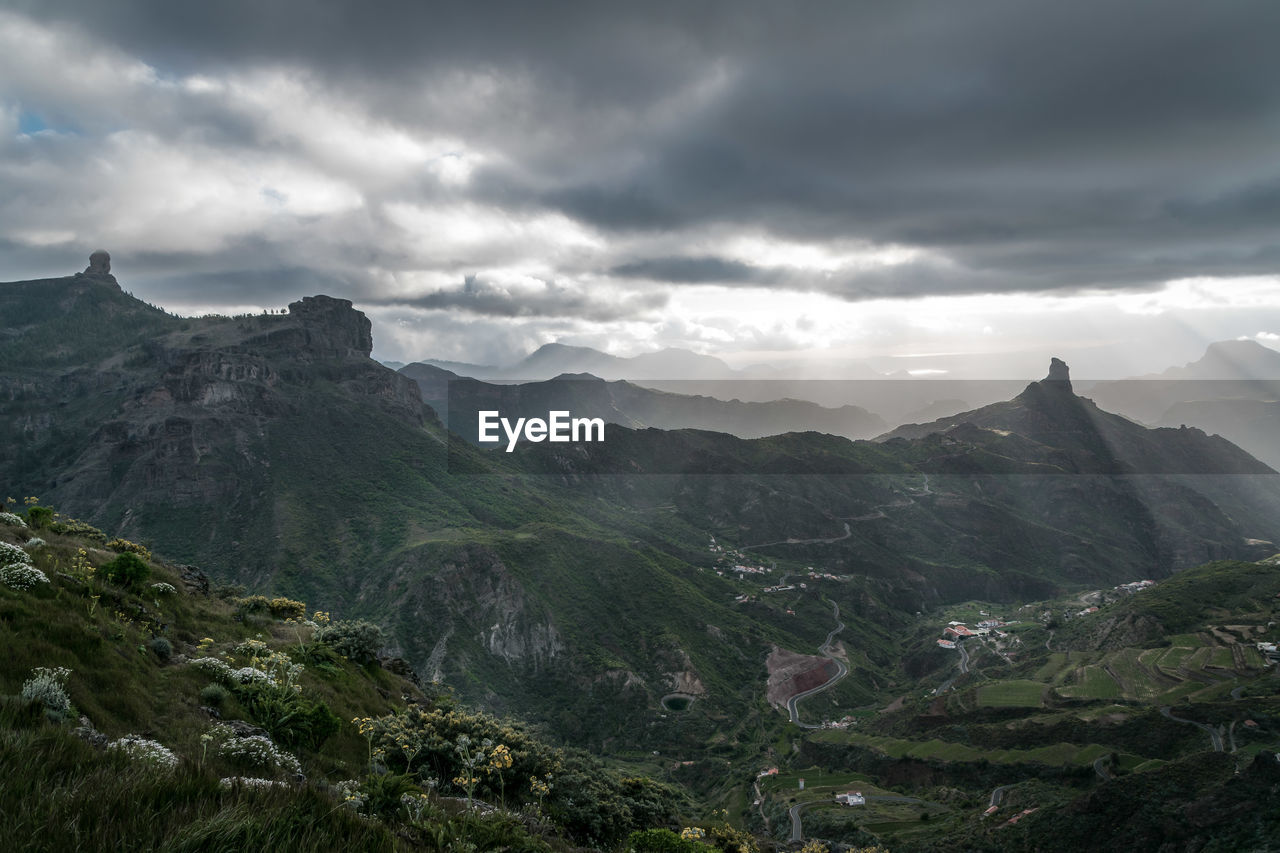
x=148, y=713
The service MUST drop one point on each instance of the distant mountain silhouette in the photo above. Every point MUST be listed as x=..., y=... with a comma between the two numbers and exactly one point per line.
x=1229, y=360
x=1233, y=390
x=457, y=399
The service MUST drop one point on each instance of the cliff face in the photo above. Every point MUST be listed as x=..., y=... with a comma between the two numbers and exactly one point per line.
x=111, y=403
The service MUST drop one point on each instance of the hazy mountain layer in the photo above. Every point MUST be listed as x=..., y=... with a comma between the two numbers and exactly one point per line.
x=579, y=585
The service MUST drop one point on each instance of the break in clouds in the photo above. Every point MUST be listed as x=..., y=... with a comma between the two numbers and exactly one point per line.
x=764, y=178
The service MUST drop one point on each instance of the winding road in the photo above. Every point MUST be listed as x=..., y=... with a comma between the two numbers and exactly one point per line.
x=841, y=671
x=1215, y=735
x=963, y=664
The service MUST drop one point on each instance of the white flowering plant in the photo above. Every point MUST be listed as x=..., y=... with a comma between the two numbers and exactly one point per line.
x=259, y=751
x=12, y=555
x=21, y=577
x=251, y=782
x=16, y=571
x=12, y=520
x=269, y=689
x=33, y=543
x=145, y=751
x=48, y=686
x=215, y=667
x=163, y=588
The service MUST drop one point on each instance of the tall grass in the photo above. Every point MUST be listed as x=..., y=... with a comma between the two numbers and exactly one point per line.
x=60, y=794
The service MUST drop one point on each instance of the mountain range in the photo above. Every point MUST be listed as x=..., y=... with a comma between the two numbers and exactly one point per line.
x=579, y=585
x=457, y=400
x=1232, y=390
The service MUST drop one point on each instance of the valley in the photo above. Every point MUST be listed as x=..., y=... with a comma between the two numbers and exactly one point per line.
x=1037, y=598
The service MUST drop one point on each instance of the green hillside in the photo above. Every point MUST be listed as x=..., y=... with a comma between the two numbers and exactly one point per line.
x=140, y=711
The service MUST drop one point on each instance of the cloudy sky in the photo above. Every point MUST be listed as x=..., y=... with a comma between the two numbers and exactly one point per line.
x=763, y=181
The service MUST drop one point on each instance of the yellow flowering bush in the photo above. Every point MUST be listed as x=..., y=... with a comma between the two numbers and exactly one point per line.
x=124, y=546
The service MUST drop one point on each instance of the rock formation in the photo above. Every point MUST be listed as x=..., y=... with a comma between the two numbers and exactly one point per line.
x=99, y=268
x=1059, y=374
x=334, y=325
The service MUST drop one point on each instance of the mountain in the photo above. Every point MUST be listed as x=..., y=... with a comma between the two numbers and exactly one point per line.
x=578, y=584
x=551, y=360
x=1235, y=360
x=1086, y=439
x=1233, y=390
x=458, y=400
x=273, y=451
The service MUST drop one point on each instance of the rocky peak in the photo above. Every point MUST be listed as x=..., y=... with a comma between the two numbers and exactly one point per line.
x=1059, y=375
x=99, y=268
x=333, y=324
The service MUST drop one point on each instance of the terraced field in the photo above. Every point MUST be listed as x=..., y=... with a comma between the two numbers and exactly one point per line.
x=1011, y=694
x=1093, y=682
x=1056, y=755
x=1157, y=676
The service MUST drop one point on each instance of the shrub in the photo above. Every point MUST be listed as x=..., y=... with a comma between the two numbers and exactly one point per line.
x=33, y=543
x=21, y=577
x=384, y=793
x=162, y=647
x=252, y=604
x=16, y=571
x=250, y=782
x=72, y=527
x=163, y=588
x=13, y=555
x=145, y=751
x=662, y=841
x=287, y=608
x=38, y=517
x=214, y=695
x=48, y=686
x=124, y=546
x=127, y=570
x=289, y=717
x=358, y=640
x=215, y=667
x=12, y=520
x=259, y=752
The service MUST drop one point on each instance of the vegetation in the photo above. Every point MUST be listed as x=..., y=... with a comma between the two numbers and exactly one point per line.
x=304, y=778
x=127, y=570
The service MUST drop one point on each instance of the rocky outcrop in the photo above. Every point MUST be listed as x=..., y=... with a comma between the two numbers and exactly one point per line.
x=1059, y=374
x=471, y=596
x=333, y=327
x=99, y=269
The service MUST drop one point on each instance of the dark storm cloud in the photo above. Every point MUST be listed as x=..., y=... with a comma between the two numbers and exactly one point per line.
x=533, y=299
x=693, y=270
x=1024, y=146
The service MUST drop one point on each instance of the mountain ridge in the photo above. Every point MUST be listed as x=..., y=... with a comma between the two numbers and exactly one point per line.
x=272, y=450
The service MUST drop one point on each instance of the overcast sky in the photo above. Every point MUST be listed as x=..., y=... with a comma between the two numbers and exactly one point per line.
x=762, y=181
